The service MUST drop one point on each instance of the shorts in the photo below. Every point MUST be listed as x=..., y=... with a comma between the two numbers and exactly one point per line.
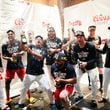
x=99, y=63
x=69, y=89
x=10, y=74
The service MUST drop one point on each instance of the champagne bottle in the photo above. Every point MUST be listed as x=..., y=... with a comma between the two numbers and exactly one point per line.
x=23, y=38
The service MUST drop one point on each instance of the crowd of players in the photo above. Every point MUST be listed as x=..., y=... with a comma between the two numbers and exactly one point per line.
x=66, y=61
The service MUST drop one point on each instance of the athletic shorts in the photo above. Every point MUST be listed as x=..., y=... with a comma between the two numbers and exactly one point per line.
x=10, y=74
x=99, y=63
x=69, y=89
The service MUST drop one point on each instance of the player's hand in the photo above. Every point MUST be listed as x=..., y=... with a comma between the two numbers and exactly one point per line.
x=12, y=59
x=97, y=46
x=83, y=64
x=25, y=47
x=51, y=51
x=58, y=80
x=64, y=47
x=14, y=55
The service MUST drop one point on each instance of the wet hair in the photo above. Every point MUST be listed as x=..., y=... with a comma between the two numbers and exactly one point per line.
x=10, y=31
x=39, y=37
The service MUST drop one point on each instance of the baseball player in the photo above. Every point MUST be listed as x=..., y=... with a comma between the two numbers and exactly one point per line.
x=96, y=40
x=64, y=77
x=85, y=54
x=11, y=51
x=53, y=46
x=106, y=49
x=34, y=70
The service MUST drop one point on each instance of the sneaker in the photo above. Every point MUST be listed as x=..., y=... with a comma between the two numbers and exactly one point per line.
x=32, y=100
x=101, y=90
x=78, y=98
x=103, y=100
x=89, y=87
x=8, y=101
x=93, y=103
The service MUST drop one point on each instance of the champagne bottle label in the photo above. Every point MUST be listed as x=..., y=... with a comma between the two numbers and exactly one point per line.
x=23, y=39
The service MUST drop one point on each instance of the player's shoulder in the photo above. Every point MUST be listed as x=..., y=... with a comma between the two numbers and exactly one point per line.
x=89, y=45
x=69, y=66
x=76, y=46
x=4, y=44
x=58, y=39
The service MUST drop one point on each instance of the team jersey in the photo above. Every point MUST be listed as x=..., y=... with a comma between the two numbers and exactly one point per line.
x=7, y=51
x=86, y=54
x=65, y=73
x=106, y=49
x=95, y=41
x=35, y=65
x=52, y=44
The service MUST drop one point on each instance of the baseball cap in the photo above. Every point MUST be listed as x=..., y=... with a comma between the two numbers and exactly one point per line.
x=79, y=33
x=51, y=29
x=60, y=56
x=92, y=28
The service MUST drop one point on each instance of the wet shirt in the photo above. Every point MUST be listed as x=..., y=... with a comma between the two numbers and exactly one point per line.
x=7, y=51
x=52, y=44
x=65, y=73
x=86, y=54
x=35, y=65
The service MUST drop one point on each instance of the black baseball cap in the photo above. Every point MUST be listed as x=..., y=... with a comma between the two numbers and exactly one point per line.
x=79, y=33
x=92, y=27
x=60, y=56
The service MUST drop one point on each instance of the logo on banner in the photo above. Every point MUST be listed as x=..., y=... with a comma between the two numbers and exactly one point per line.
x=19, y=22
x=101, y=19
x=46, y=24
x=75, y=23
x=25, y=1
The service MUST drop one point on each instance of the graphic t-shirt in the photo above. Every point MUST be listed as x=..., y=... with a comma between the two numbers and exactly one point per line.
x=7, y=51
x=52, y=44
x=86, y=54
x=65, y=73
x=35, y=65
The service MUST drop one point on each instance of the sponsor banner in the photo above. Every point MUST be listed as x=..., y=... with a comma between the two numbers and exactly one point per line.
x=27, y=15
x=94, y=12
